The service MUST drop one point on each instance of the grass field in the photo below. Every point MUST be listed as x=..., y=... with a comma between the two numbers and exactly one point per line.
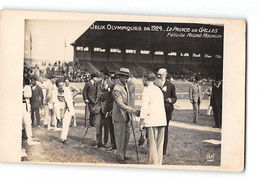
x=186, y=146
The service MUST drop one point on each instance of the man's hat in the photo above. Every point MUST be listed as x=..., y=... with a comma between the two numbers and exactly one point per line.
x=106, y=71
x=114, y=76
x=93, y=75
x=124, y=71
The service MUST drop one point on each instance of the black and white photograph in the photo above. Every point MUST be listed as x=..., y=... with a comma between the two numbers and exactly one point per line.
x=125, y=91
x=120, y=92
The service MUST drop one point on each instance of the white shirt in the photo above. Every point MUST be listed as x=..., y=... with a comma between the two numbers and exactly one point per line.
x=67, y=98
x=152, y=109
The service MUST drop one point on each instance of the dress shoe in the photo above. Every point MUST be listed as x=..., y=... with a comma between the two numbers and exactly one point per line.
x=111, y=148
x=126, y=158
x=98, y=146
x=120, y=161
x=106, y=146
x=31, y=142
x=64, y=142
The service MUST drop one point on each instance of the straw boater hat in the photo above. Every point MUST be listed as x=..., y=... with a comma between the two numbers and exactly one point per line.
x=124, y=71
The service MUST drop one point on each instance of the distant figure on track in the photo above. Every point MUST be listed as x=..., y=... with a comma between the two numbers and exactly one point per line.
x=195, y=95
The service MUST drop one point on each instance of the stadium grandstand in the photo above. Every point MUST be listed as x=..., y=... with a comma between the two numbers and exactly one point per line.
x=142, y=46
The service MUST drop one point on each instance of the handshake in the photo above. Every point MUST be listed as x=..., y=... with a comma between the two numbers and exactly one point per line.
x=137, y=113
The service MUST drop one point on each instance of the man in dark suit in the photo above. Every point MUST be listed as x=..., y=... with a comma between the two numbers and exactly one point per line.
x=89, y=96
x=103, y=105
x=216, y=101
x=36, y=101
x=170, y=98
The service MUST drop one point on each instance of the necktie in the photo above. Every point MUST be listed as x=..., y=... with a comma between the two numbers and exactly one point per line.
x=198, y=88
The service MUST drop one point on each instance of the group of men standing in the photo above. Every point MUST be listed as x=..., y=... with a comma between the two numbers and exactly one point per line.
x=110, y=108
x=110, y=105
x=54, y=99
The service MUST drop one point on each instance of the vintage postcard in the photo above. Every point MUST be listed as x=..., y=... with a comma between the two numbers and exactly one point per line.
x=122, y=90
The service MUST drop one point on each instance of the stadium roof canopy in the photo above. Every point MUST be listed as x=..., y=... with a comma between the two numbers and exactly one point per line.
x=167, y=37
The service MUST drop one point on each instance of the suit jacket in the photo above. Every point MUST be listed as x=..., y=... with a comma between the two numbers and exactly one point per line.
x=168, y=90
x=104, y=100
x=90, y=92
x=195, y=93
x=152, y=109
x=121, y=108
x=131, y=87
x=37, y=97
x=216, y=97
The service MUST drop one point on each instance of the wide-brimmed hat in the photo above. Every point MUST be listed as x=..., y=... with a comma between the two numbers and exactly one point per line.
x=105, y=70
x=124, y=71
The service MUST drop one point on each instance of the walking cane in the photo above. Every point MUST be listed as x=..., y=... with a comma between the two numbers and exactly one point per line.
x=134, y=139
x=84, y=135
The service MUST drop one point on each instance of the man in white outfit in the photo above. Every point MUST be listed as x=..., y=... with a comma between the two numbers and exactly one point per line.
x=153, y=118
x=63, y=107
x=26, y=116
x=47, y=91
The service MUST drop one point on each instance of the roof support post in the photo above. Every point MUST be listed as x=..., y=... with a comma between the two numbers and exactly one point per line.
x=138, y=58
x=123, y=54
x=108, y=53
x=166, y=57
x=90, y=52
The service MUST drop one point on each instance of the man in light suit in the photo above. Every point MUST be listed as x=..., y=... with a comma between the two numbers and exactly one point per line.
x=121, y=112
x=168, y=90
x=195, y=95
x=153, y=118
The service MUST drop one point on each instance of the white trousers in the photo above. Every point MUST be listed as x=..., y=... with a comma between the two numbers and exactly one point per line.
x=65, y=125
x=27, y=122
x=155, y=144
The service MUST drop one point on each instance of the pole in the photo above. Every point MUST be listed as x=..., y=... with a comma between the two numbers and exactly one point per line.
x=131, y=121
x=84, y=135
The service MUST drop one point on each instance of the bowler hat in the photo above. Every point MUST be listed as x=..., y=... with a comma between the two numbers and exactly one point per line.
x=124, y=71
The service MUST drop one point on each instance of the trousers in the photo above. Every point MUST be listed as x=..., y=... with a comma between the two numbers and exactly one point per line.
x=165, y=143
x=37, y=115
x=99, y=122
x=65, y=125
x=217, y=112
x=196, y=107
x=27, y=122
x=122, y=135
x=109, y=125
x=155, y=144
